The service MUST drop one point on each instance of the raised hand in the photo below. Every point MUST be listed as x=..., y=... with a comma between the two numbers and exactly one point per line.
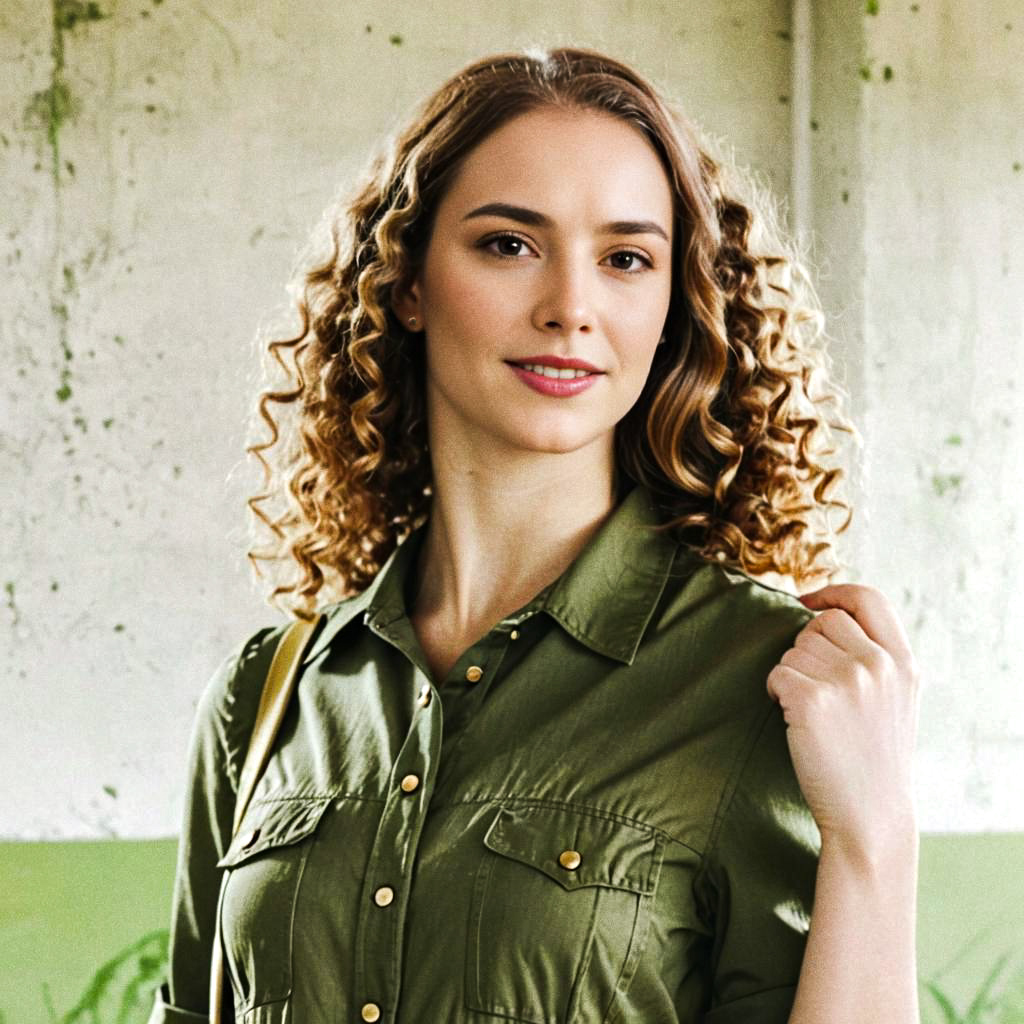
x=849, y=689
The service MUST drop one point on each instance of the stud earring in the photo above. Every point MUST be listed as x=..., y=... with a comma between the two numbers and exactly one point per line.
x=412, y=321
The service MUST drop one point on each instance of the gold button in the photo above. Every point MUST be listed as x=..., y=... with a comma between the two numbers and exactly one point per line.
x=410, y=783
x=514, y=634
x=473, y=673
x=569, y=859
x=370, y=1012
x=251, y=838
x=424, y=698
x=382, y=897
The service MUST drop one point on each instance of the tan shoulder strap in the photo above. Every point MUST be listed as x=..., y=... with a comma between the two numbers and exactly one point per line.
x=277, y=692
x=274, y=699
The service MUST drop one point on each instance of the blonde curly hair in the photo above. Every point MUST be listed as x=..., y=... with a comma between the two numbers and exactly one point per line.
x=732, y=435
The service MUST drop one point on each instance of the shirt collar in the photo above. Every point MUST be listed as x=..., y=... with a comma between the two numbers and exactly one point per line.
x=605, y=599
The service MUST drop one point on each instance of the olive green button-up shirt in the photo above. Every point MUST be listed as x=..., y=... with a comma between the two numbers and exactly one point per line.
x=593, y=818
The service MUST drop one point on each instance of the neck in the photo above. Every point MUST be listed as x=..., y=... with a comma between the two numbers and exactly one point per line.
x=502, y=528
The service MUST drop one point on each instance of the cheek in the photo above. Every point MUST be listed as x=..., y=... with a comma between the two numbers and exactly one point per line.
x=465, y=299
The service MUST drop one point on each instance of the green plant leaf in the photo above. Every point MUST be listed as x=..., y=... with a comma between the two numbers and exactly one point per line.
x=949, y=1012
x=980, y=1003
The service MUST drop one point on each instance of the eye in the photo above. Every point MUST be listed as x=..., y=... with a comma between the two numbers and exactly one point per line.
x=506, y=245
x=630, y=261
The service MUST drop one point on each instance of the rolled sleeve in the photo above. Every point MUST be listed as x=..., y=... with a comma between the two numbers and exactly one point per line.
x=756, y=884
x=164, y=1013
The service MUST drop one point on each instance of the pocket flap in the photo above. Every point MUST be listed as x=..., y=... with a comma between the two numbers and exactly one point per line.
x=577, y=849
x=271, y=823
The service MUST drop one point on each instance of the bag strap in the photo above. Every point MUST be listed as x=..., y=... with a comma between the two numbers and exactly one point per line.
x=274, y=699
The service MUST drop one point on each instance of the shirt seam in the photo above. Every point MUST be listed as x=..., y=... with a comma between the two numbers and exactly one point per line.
x=589, y=809
x=732, y=784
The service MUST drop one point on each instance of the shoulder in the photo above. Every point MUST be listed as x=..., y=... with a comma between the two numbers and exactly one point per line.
x=227, y=707
x=729, y=603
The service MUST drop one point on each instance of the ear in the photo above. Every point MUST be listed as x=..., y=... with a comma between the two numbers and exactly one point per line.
x=406, y=305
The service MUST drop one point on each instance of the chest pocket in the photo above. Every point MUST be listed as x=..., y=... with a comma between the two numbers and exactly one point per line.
x=559, y=914
x=264, y=871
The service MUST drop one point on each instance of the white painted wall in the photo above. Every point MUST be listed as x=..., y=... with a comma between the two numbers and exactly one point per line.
x=204, y=141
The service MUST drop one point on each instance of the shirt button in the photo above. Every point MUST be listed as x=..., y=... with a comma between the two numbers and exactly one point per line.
x=569, y=859
x=424, y=698
x=474, y=673
x=514, y=634
x=370, y=1012
x=382, y=897
x=410, y=783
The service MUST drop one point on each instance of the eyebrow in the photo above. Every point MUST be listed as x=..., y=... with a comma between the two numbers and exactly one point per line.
x=540, y=220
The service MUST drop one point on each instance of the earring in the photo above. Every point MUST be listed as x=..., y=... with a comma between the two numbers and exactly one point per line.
x=412, y=321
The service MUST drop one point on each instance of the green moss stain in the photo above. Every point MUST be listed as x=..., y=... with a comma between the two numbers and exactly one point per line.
x=395, y=39
x=865, y=71
x=845, y=196
x=12, y=604
x=954, y=439
x=68, y=13
x=784, y=35
x=945, y=483
x=111, y=791
x=1016, y=165
x=50, y=109
x=871, y=7
x=118, y=627
x=108, y=422
x=887, y=73
x=54, y=586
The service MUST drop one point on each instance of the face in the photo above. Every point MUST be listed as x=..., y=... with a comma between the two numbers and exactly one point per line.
x=545, y=285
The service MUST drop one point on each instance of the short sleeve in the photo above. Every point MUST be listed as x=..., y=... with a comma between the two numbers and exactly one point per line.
x=220, y=737
x=756, y=884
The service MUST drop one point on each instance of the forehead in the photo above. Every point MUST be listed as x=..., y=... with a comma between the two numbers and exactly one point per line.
x=566, y=163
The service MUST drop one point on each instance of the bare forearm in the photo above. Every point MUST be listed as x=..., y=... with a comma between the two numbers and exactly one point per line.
x=860, y=964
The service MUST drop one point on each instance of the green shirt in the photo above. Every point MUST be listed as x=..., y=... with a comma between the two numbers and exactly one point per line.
x=594, y=818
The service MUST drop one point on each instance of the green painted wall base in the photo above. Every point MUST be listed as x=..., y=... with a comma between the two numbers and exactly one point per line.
x=65, y=908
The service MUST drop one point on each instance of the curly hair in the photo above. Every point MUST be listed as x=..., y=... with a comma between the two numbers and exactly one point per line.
x=732, y=434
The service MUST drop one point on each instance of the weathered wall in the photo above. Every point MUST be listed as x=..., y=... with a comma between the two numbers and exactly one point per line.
x=160, y=166
x=918, y=202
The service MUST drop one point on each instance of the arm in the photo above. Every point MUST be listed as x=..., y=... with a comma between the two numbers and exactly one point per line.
x=219, y=736
x=859, y=964
x=849, y=690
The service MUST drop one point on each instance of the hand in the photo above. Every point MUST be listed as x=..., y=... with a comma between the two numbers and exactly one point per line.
x=849, y=690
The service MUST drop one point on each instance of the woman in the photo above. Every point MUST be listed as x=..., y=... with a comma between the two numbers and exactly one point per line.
x=556, y=756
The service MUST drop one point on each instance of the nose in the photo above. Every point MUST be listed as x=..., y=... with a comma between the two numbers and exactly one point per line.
x=564, y=305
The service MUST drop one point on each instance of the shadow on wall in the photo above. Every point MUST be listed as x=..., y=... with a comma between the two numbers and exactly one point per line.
x=121, y=991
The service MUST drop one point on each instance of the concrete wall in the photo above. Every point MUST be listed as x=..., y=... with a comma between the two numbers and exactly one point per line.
x=162, y=163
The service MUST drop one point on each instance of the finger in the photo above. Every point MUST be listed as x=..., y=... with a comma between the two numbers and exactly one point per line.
x=801, y=660
x=869, y=607
x=790, y=689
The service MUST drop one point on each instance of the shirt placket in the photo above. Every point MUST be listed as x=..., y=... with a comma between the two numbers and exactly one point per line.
x=436, y=715
x=385, y=896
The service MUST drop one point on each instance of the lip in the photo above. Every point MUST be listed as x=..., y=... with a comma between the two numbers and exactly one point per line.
x=558, y=362
x=552, y=386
